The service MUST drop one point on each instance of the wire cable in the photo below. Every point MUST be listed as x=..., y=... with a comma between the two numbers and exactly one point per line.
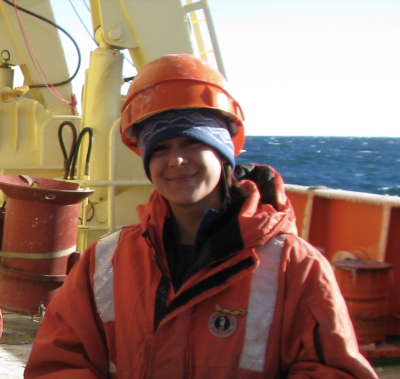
x=80, y=19
x=76, y=152
x=71, y=158
x=67, y=157
x=35, y=59
x=9, y=2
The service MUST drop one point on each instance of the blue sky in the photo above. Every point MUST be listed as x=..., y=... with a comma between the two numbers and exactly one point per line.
x=310, y=67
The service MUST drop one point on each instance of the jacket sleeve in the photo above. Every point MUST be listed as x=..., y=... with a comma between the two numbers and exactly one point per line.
x=70, y=343
x=318, y=338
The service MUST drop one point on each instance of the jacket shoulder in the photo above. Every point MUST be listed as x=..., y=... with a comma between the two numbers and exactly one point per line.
x=297, y=249
x=120, y=234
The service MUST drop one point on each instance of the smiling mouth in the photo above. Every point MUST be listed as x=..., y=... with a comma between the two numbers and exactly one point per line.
x=181, y=178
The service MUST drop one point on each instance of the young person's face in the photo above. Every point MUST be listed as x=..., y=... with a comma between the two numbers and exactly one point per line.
x=187, y=172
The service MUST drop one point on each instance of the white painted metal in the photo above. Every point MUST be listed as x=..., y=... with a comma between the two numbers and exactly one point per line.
x=346, y=195
x=101, y=106
x=50, y=54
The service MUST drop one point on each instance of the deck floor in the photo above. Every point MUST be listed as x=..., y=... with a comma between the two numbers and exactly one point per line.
x=19, y=333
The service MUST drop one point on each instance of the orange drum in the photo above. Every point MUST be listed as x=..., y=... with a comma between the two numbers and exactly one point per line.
x=365, y=285
x=39, y=239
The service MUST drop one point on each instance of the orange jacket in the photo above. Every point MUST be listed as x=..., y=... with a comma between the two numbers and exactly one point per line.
x=271, y=310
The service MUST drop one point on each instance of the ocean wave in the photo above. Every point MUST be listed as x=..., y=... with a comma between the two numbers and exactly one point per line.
x=334, y=162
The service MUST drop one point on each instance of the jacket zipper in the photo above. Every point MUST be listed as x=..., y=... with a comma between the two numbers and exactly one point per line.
x=163, y=287
x=147, y=236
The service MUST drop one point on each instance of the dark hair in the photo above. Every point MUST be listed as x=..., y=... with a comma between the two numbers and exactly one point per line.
x=230, y=187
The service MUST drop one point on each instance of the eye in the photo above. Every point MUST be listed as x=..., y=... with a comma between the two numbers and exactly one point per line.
x=159, y=149
x=192, y=141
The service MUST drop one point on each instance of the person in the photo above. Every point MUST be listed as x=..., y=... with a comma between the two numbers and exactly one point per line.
x=214, y=281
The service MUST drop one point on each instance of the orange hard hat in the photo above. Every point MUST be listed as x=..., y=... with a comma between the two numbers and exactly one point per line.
x=179, y=81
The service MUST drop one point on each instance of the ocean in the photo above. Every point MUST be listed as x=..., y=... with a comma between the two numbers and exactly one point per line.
x=350, y=163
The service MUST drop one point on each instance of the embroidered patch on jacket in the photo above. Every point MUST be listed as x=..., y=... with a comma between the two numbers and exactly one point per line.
x=241, y=312
x=222, y=325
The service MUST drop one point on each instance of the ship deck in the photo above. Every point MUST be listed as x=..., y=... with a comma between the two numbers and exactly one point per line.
x=19, y=333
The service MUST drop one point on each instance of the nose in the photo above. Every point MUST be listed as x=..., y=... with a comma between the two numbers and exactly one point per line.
x=176, y=157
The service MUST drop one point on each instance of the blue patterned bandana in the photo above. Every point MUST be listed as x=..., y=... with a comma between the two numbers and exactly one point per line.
x=201, y=124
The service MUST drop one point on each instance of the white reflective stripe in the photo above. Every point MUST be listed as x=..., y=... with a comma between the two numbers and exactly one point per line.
x=263, y=293
x=103, y=276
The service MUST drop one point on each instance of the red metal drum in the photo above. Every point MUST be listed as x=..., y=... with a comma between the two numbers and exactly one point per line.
x=40, y=225
x=365, y=285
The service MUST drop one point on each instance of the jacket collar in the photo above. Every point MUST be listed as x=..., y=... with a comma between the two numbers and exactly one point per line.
x=257, y=222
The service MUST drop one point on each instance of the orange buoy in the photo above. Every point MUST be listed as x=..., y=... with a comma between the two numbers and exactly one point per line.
x=39, y=238
x=365, y=286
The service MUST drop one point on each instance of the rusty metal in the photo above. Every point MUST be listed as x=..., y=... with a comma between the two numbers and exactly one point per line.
x=39, y=235
x=365, y=285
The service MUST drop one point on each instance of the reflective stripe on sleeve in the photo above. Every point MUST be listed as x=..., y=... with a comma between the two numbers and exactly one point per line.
x=103, y=276
x=262, y=298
